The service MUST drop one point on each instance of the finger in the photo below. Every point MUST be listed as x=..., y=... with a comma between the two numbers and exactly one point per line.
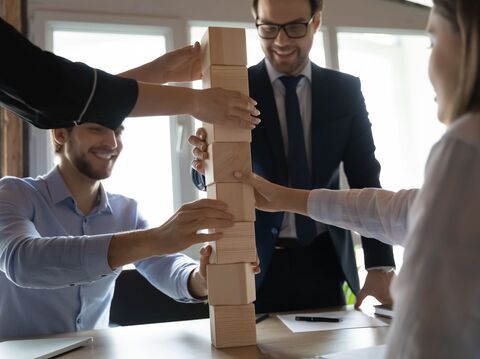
x=198, y=166
x=205, y=253
x=198, y=142
x=361, y=296
x=205, y=203
x=199, y=154
x=201, y=133
x=206, y=237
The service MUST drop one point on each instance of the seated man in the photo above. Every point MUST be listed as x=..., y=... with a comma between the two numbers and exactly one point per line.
x=64, y=239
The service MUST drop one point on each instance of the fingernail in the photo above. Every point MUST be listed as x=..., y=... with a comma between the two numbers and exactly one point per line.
x=256, y=120
x=237, y=174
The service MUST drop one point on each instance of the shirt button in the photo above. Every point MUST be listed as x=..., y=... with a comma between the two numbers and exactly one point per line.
x=78, y=320
x=103, y=275
x=274, y=231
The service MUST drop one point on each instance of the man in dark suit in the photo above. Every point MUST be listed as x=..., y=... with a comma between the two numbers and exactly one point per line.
x=313, y=119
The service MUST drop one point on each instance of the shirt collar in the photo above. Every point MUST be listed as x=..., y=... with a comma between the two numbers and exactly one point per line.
x=274, y=75
x=59, y=191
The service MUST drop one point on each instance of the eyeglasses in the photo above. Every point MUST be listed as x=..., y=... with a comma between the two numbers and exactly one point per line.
x=293, y=30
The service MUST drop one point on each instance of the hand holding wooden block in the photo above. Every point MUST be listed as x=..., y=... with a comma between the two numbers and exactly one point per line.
x=238, y=196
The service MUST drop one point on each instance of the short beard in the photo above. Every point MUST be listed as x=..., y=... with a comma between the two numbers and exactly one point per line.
x=86, y=169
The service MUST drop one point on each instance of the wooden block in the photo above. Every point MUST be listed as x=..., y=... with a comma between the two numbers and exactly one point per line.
x=233, y=326
x=224, y=46
x=218, y=133
x=233, y=78
x=239, y=198
x=230, y=284
x=237, y=244
x=224, y=158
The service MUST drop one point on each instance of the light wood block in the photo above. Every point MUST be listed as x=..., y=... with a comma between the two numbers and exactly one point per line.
x=218, y=133
x=238, y=196
x=224, y=158
x=233, y=78
x=233, y=326
x=224, y=46
x=230, y=284
x=237, y=244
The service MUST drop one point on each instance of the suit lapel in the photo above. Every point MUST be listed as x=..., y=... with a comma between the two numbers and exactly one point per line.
x=319, y=114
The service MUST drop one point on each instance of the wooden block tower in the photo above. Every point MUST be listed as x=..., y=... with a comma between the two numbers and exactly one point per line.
x=231, y=282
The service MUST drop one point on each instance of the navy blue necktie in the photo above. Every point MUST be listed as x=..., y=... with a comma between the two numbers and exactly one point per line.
x=298, y=170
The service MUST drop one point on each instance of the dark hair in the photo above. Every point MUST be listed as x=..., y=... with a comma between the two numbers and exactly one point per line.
x=315, y=6
x=464, y=16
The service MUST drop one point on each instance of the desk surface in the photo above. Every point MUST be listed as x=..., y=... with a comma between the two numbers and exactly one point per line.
x=191, y=339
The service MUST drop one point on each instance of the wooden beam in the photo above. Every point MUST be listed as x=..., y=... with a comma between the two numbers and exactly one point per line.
x=11, y=127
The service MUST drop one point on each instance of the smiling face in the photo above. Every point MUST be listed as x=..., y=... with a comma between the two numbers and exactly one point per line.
x=89, y=149
x=287, y=55
x=444, y=65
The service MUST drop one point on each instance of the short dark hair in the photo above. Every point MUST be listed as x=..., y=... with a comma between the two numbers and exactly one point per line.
x=315, y=6
x=464, y=17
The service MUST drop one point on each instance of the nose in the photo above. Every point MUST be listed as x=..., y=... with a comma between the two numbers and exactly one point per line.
x=282, y=37
x=110, y=139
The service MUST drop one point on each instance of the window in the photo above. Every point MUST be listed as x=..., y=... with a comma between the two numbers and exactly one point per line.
x=144, y=169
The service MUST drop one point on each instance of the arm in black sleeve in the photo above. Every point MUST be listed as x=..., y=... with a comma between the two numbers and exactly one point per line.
x=52, y=92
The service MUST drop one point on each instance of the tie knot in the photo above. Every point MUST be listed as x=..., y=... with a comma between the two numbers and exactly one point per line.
x=290, y=82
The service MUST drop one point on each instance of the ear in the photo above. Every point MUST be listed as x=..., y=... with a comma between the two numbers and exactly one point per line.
x=317, y=20
x=59, y=136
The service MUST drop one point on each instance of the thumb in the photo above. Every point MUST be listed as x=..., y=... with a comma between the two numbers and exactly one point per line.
x=360, y=297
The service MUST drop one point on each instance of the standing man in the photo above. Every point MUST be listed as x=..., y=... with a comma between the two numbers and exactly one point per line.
x=313, y=119
x=64, y=240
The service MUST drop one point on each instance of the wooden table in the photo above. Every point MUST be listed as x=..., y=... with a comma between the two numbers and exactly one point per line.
x=191, y=339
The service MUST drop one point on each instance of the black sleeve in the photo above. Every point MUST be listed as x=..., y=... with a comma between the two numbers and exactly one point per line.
x=198, y=180
x=52, y=92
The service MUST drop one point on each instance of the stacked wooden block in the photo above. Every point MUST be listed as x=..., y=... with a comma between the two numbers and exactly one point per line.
x=231, y=282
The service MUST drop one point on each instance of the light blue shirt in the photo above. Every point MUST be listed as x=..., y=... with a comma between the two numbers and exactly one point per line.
x=54, y=274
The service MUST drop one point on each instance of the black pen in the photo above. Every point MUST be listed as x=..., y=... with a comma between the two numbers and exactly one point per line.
x=317, y=319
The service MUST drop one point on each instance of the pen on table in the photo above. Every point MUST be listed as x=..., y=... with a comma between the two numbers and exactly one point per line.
x=317, y=319
x=261, y=317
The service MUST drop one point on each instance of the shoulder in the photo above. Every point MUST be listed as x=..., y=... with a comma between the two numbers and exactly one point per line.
x=16, y=184
x=334, y=78
x=465, y=130
x=119, y=200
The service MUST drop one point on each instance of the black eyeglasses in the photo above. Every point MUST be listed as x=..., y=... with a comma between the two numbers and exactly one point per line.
x=293, y=30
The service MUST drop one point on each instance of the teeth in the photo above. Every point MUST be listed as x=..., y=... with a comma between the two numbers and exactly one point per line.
x=104, y=155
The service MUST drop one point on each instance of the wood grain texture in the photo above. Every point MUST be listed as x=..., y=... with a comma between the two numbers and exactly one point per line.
x=224, y=46
x=239, y=198
x=233, y=326
x=230, y=284
x=224, y=158
x=237, y=244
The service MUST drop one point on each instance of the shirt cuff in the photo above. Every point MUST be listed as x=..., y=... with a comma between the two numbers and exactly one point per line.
x=96, y=256
x=385, y=269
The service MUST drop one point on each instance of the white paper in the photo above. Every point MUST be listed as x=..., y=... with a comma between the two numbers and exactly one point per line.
x=349, y=319
x=40, y=348
x=376, y=352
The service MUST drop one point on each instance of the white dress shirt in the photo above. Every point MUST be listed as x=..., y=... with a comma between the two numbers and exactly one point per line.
x=437, y=293
x=304, y=94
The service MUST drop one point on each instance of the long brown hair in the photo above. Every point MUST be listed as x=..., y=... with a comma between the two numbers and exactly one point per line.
x=464, y=16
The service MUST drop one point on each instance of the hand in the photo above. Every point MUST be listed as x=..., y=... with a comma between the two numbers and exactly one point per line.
x=224, y=107
x=197, y=282
x=181, y=230
x=179, y=65
x=377, y=284
x=271, y=197
x=200, y=153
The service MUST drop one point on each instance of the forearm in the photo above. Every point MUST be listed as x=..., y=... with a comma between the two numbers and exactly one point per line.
x=129, y=247
x=158, y=100
x=145, y=73
x=294, y=200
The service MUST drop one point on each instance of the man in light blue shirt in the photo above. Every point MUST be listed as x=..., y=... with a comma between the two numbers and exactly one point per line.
x=64, y=239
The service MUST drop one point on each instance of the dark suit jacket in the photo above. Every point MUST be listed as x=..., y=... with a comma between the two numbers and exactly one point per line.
x=341, y=132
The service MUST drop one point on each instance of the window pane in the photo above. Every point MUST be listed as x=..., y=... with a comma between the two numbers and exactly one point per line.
x=144, y=169
x=399, y=98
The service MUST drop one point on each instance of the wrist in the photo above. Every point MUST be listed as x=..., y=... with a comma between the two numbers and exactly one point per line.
x=193, y=103
x=197, y=284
